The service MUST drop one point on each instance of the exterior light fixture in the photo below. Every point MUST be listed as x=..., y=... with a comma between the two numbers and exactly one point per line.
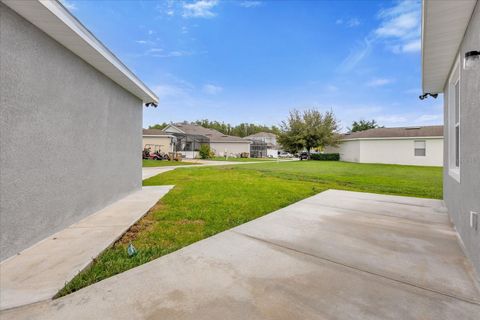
x=424, y=96
x=472, y=60
x=150, y=104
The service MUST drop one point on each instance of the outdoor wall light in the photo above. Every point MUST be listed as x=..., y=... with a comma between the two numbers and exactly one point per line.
x=424, y=96
x=150, y=104
x=472, y=60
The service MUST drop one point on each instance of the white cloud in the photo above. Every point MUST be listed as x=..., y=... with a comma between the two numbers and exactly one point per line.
x=357, y=54
x=430, y=118
x=250, y=4
x=199, y=9
x=170, y=54
x=378, y=82
x=212, y=89
x=69, y=5
x=352, y=23
x=400, y=26
x=399, y=30
x=412, y=46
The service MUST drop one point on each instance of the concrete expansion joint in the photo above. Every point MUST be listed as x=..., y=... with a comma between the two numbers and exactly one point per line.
x=408, y=283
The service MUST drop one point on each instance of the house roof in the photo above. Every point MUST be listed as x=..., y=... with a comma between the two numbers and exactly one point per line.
x=443, y=27
x=213, y=135
x=399, y=132
x=155, y=132
x=261, y=135
x=54, y=19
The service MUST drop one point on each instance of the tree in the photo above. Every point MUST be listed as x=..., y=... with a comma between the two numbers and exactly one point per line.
x=159, y=126
x=310, y=129
x=291, y=133
x=205, y=152
x=363, y=125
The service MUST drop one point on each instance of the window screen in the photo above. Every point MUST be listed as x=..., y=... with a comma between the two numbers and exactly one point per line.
x=420, y=148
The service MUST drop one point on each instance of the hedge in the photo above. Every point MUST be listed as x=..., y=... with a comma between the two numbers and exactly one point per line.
x=325, y=156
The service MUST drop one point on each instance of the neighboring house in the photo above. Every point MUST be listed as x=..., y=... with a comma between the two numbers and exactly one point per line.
x=191, y=136
x=70, y=123
x=158, y=140
x=270, y=139
x=421, y=146
x=451, y=65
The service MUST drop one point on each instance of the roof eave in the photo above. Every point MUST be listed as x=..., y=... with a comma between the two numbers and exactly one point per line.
x=448, y=21
x=54, y=19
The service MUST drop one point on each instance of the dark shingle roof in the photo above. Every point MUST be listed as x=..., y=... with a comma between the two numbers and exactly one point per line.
x=213, y=135
x=154, y=132
x=400, y=132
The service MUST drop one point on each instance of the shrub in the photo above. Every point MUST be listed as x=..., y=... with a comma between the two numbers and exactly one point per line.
x=205, y=152
x=325, y=156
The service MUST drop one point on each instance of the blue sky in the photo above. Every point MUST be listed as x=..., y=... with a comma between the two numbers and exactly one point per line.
x=253, y=61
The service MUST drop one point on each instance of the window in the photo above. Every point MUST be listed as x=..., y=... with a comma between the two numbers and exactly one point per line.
x=420, y=148
x=454, y=110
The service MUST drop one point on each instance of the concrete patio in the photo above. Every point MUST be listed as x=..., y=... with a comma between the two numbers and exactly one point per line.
x=39, y=272
x=336, y=255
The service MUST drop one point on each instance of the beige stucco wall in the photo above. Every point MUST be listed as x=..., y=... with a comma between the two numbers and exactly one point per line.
x=390, y=151
x=232, y=148
x=164, y=142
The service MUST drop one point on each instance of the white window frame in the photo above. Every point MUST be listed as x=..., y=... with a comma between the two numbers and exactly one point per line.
x=424, y=147
x=455, y=77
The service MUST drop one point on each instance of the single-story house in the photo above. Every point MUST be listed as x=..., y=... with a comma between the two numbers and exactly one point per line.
x=451, y=65
x=70, y=123
x=421, y=146
x=159, y=140
x=270, y=139
x=191, y=136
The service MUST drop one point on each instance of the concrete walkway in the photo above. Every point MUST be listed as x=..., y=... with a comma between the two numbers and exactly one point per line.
x=40, y=271
x=336, y=255
x=148, y=172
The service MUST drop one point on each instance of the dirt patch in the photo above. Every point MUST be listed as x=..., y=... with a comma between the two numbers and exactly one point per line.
x=145, y=223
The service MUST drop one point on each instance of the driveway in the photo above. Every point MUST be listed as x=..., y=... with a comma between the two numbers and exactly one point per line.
x=336, y=255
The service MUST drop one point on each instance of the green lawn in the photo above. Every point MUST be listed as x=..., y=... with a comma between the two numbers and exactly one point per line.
x=241, y=159
x=208, y=200
x=163, y=163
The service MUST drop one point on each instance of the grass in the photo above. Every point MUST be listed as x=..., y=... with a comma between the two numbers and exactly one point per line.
x=164, y=163
x=241, y=159
x=208, y=200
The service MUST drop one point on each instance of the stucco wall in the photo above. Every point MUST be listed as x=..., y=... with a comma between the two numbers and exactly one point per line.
x=401, y=151
x=233, y=148
x=349, y=150
x=464, y=196
x=390, y=151
x=70, y=138
x=164, y=143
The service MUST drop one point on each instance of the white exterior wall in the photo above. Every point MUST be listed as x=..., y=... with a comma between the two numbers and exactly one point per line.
x=232, y=148
x=401, y=151
x=390, y=151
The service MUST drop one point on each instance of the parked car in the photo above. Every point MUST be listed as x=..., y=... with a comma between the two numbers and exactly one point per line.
x=285, y=155
x=303, y=156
